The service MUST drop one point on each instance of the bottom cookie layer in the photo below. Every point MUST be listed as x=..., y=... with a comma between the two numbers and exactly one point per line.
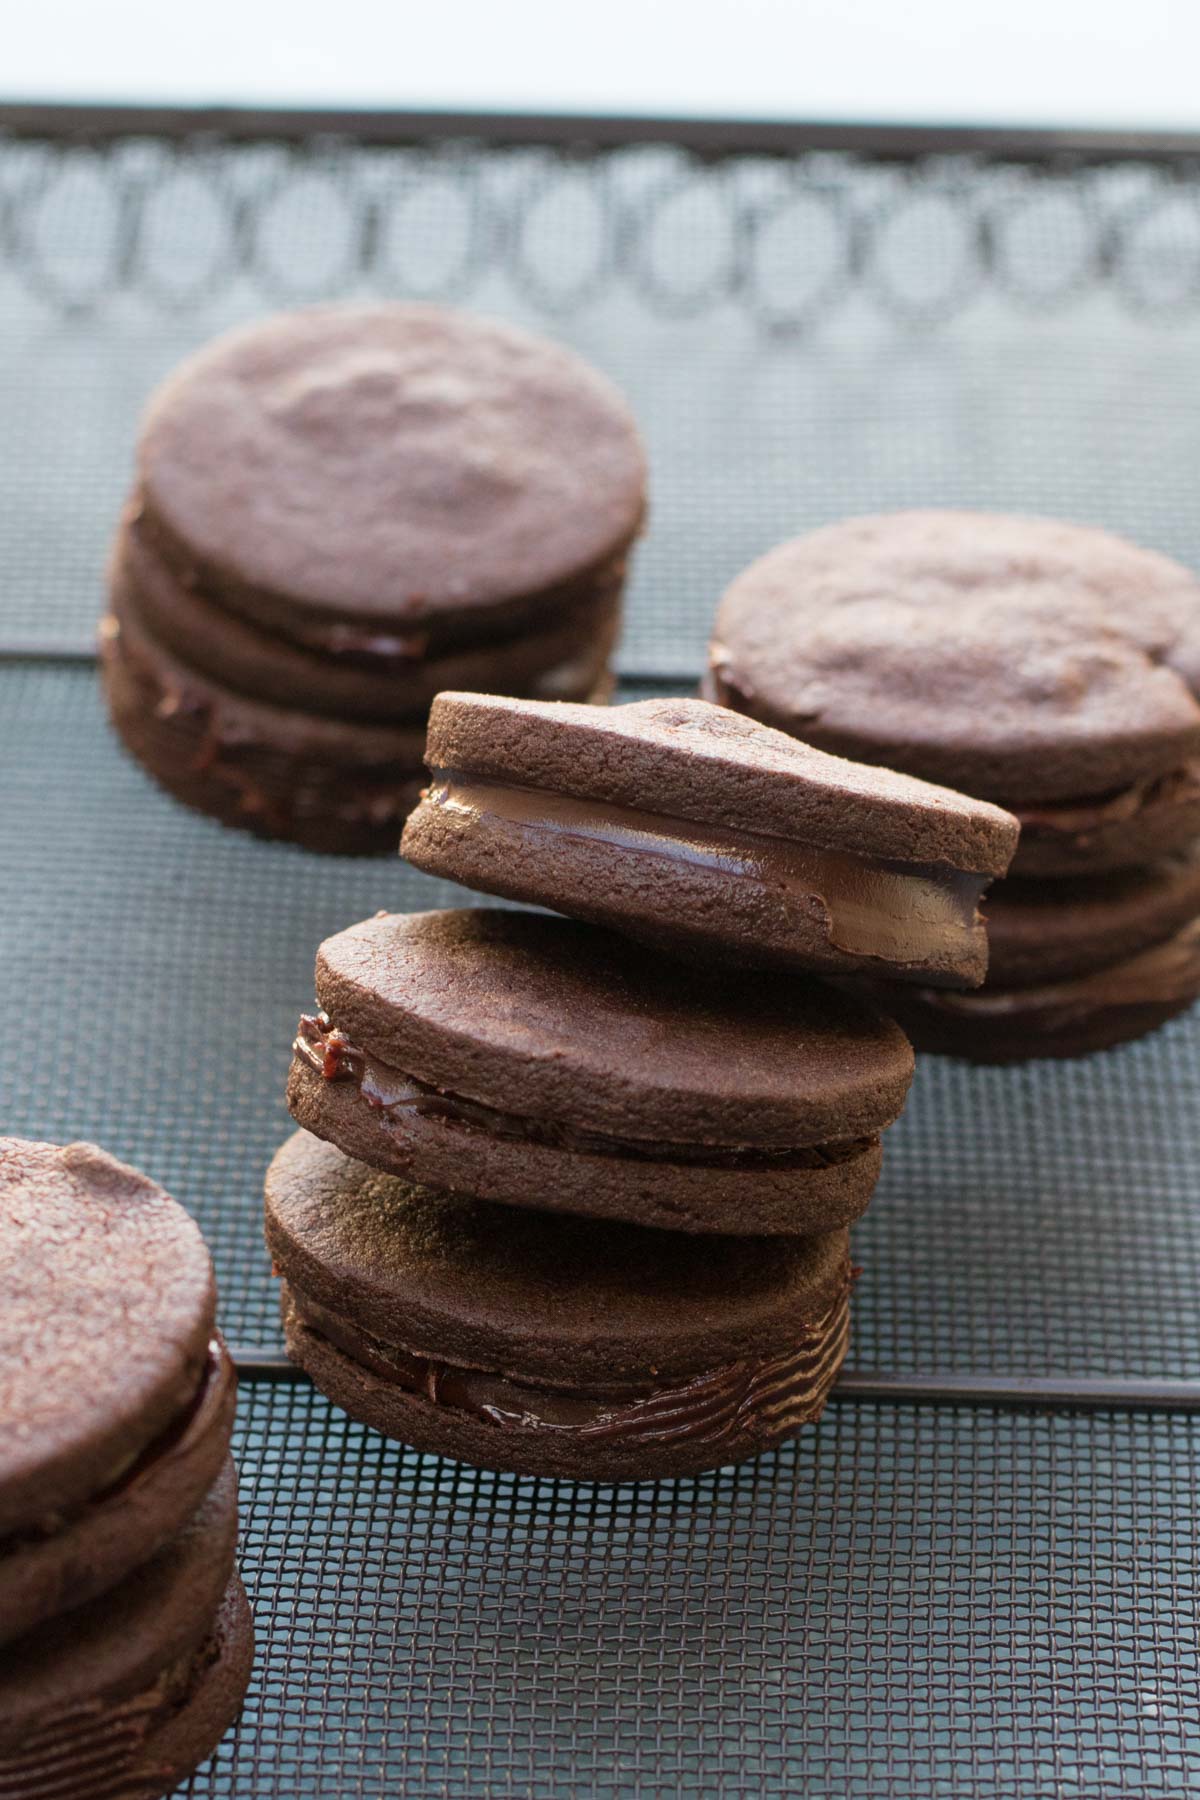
x=1068, y=1018
x=210, y=1706
x=121, y=1697
x=492, y=1421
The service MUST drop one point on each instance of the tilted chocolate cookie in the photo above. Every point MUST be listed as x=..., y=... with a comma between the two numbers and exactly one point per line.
x=123, y=1697
x=1051, y=668
x=680, y=823
x=548, y=1346
x=116, y=1390
x=1077, y=966
x=524, y=1058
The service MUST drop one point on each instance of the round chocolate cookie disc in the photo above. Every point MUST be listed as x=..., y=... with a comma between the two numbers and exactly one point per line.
x=683, y=825
x=530, y=1059
x=117, y=1389
x=126, y=1695
x=1051, y=668
x=403, y=468
x=548, y=1346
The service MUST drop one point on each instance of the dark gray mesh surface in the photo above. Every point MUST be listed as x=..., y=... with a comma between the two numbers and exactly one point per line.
x=905, y=1602
x=908, y=1602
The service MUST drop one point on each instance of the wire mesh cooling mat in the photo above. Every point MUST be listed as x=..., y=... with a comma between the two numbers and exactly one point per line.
x=906, y=1601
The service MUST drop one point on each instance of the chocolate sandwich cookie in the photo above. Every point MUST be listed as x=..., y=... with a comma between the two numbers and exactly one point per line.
x=530, y=1059
x=337, y=513
x=1051, y=668
x=682, y=824
x=376, y=478
x=116, y=1388
x=123, y=1697
x=563, y=659
x=1077, y=966
x=548, y=1346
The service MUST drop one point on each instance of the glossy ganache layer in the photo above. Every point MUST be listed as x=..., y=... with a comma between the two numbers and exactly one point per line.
x=875, y=907
x=763, y=1397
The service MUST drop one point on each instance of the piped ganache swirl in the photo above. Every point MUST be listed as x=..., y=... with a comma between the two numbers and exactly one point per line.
x=765, y=1397
x=876, y=907
x=322, y=1047
x=102, y=1750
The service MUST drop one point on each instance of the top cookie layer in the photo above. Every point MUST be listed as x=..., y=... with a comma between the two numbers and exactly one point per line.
x=107, y=1305
x=395, y=463
x=694, y=761
x=1017, y=658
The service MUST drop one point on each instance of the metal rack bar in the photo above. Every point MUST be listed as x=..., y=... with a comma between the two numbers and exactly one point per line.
x=703, y=137
x=1025, y=1393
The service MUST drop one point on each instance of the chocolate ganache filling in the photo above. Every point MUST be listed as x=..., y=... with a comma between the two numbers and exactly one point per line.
x=877, y=907
x=1081, y=818
x=775, y=1393
x=331, y=1054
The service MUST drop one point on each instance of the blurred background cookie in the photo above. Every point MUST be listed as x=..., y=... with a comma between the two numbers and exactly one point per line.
x=336, y=513
x=1053, y=669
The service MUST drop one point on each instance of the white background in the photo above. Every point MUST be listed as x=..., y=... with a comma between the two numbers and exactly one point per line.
x=1071, y=62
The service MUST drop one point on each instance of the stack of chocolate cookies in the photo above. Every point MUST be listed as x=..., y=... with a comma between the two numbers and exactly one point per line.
x=572, y=1194
x=1053, y=669
x=125, y=1636
x=336, y=514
